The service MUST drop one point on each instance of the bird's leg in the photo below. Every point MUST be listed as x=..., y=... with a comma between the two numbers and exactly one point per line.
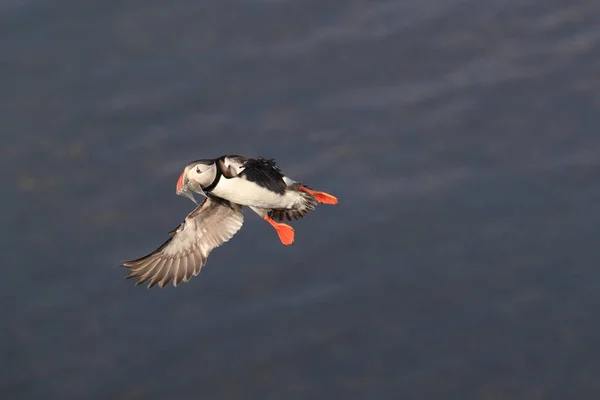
x=322, y=197
x=284, y=231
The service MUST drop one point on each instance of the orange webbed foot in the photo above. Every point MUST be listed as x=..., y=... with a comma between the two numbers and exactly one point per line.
x=322, y=197
x=284, y=231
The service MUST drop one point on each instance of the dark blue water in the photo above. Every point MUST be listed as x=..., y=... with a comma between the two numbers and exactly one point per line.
x=461, y=138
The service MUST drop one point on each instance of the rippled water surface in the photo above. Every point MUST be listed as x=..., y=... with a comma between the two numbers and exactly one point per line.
x=460, y=136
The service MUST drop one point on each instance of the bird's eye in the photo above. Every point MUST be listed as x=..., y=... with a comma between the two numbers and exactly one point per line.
x=198, y=170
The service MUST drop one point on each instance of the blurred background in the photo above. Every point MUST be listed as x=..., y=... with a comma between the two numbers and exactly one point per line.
x=460, y=136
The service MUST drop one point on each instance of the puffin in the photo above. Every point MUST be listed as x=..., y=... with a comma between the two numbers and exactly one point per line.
x=227, y=184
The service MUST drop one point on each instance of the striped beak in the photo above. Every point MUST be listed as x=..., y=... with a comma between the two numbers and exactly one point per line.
x=183, y=189
x=181, y=183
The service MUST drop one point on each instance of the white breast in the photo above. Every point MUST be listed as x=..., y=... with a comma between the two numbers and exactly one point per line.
x=244, y=192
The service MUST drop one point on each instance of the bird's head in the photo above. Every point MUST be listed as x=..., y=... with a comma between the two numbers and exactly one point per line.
x=196, y=176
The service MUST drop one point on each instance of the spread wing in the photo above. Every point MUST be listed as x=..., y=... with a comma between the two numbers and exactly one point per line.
x=211, y=224
x=264, y=173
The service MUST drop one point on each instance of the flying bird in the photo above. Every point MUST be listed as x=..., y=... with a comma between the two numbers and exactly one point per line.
x=227, y=183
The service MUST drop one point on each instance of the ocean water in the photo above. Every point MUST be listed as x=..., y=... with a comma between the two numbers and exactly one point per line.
x=461, y=138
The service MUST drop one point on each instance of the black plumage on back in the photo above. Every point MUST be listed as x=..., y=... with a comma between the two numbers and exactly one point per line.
x=264, y=173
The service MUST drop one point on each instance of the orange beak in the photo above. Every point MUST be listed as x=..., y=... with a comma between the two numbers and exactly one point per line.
x=180, y=182
x=182, y=188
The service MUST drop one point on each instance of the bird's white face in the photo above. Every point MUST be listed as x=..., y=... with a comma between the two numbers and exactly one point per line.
x=201, y=175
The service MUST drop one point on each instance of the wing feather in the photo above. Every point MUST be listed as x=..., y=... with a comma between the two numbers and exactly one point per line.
x=264, y=173
x=212, y=223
